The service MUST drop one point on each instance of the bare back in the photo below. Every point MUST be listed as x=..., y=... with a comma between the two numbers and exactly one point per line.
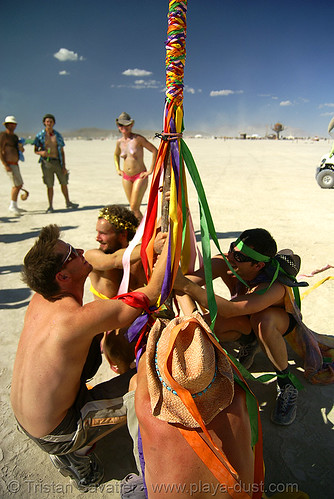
x=51, y=354
x=170, y=461
x=48, y=365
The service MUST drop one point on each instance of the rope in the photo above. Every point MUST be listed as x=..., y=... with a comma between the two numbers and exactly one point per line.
x=168, y=136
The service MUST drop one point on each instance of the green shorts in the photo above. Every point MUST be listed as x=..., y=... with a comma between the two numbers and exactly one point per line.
x=51, y=168
x=15, y=175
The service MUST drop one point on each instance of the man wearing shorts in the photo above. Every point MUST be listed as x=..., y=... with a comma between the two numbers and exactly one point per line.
x=9, y=154
x=256, y=315
x=49, y=145
x=59, y=351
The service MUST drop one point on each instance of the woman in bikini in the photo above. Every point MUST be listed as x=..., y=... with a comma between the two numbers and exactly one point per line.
x=130, y=147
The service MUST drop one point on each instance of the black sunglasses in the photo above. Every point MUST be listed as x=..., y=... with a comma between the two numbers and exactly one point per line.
x=238, y=256
x=71, y=255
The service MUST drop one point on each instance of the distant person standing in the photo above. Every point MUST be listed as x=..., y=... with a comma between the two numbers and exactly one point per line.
x=130, y=147
x=49, y=145
x=9, y=154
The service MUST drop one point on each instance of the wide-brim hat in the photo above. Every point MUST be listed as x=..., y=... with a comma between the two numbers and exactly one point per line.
x=10, y=119
x=290, y=264
x=197, y=365
x=124, y=119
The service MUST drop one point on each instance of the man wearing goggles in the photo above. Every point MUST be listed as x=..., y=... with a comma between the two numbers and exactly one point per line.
x=55, y=357
x=255, y=316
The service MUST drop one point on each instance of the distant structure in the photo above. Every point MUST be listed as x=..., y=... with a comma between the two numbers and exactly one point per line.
x=278, y=128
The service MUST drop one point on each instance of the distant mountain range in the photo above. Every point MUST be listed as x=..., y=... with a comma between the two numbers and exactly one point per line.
x=89, y=133
x=102, y=133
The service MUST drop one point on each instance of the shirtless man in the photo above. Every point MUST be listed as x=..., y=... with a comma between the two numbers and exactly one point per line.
x=49, y=146
x=261, y=304
x=48, y=394
x=130, y=147
x=115, y=227
x=9, y=154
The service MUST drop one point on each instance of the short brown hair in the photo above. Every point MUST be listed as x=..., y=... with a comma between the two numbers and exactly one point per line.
x=121, y=219
x=42, y=263
x=50, y=116
x=117, y=346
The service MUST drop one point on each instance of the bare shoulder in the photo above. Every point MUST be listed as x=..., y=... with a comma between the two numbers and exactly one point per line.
x=54, y=318
x=142, y=140
x=267, y=296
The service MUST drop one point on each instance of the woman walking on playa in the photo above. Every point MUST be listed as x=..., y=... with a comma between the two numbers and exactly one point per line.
x=130, y=147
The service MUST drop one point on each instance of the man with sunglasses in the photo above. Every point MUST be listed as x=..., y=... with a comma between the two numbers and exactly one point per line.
x=256, y=312
x=49, y=395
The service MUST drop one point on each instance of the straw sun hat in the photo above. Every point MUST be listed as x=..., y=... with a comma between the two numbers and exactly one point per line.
x=197, y=365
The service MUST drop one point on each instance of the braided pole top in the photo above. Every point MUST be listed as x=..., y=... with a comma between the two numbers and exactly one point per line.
x=176, y=51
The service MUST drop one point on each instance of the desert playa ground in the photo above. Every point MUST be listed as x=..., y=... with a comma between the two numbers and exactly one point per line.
x=248, y=184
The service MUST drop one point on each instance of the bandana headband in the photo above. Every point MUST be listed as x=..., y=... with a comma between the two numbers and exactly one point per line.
x=255, y=255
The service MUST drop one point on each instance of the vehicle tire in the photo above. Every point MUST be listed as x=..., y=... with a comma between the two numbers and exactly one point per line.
x=325, y=179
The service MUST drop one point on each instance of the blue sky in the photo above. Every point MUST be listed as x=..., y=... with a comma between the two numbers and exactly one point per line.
x=248, y=64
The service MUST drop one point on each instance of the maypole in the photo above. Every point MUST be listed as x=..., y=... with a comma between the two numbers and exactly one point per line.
x=169, y=168
x=172, y=155
x=169, y=172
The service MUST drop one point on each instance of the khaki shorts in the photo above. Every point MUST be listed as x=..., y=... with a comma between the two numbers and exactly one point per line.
x=15, y=175
x=94, y=411
x=50, y=169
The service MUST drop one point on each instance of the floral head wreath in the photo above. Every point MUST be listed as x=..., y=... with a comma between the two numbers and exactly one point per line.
x=117, y=222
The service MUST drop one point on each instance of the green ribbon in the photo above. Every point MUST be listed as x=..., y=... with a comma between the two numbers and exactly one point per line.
x=264, y=378
x=255, y=255
x=294, y=380
x=207, y=230
x=252, y=410
x=250, y=398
